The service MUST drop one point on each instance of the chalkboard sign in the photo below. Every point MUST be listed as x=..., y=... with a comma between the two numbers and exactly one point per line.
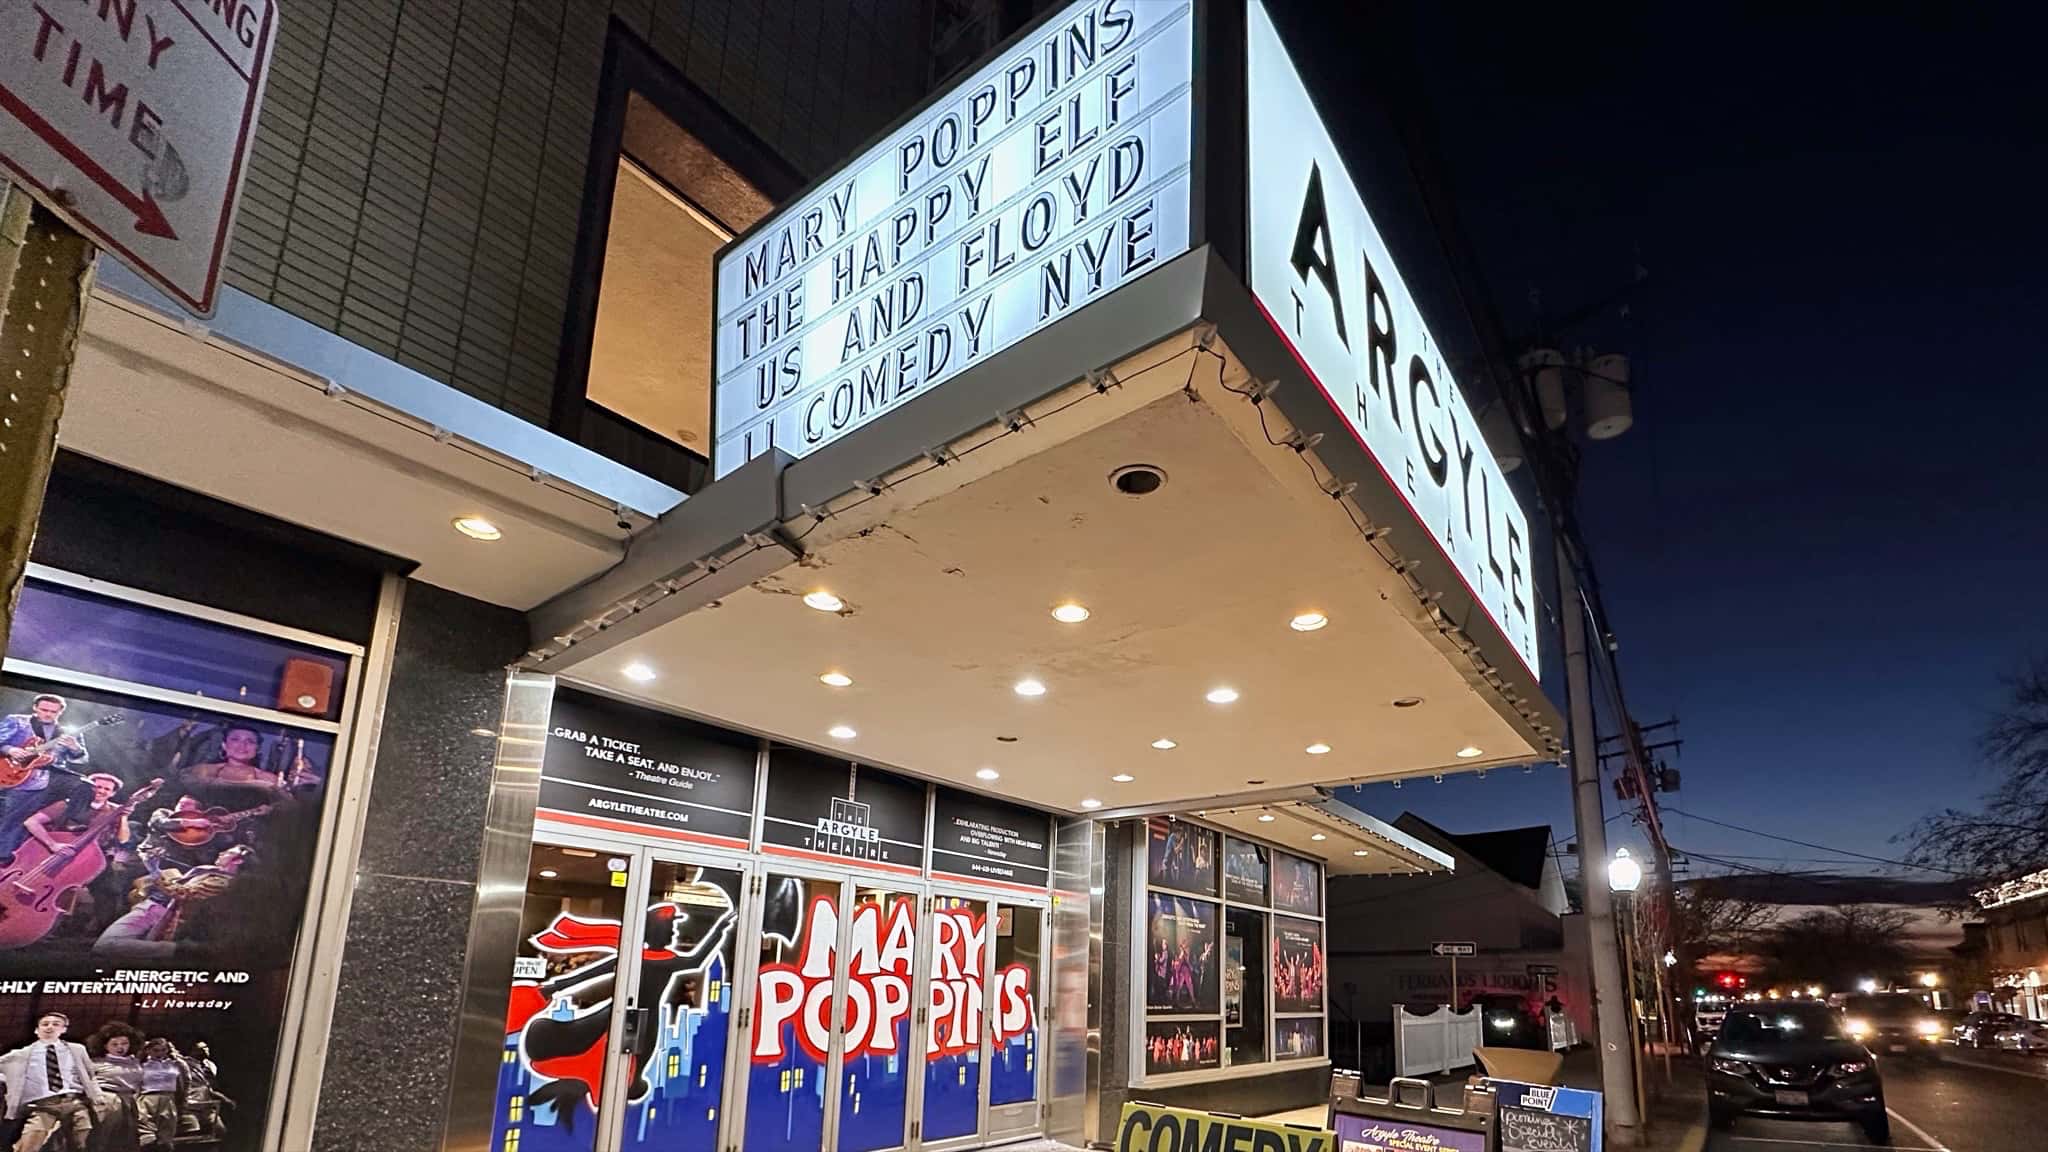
x=1527, y=1130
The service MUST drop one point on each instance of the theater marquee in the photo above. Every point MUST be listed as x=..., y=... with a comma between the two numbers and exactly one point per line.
x=1326, y=280
x=1047, y=179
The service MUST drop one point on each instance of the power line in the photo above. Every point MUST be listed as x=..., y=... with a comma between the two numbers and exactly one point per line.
x=1819, y=847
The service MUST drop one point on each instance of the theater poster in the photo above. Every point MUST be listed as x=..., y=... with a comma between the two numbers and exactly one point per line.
x=157, y=859
x=1182, y=957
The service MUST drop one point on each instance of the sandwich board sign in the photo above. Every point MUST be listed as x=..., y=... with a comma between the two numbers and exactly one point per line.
x=132, y=119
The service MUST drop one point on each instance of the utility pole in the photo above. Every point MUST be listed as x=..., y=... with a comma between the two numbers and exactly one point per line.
x=45, y=278
x=1610, y=996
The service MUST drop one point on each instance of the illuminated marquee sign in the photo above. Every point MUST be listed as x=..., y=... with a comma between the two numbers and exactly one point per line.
x=1045, y=180
x=1326, y=280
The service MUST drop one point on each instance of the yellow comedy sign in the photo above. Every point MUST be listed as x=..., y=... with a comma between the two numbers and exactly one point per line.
x=1150, y=1128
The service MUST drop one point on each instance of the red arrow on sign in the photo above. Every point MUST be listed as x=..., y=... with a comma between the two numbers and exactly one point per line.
x=149, y=218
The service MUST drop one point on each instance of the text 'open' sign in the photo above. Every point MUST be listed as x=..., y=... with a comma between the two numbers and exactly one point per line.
x=133, y=118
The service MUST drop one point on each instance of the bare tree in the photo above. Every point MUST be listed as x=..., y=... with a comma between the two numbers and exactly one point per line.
x=2007, y=835
x=1838, y=946
x=1707, y=920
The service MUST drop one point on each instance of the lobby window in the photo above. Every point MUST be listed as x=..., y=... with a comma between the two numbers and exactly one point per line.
x=671, y=179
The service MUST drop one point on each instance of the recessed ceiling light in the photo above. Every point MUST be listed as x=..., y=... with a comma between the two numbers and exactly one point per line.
x=1358, y=851
x=836, y=679
x=1318, y=837
x=1225, y=695
x=1317, y=749
x=548, y=873
x=841, y=732
x=824, y=601
x=637, y=671
x=1308, y=621
x=1029, y=687
x=477, y=528
x=1468, y=752
x=1265, y=817
x=1091, y=802
x=1164, y=745
x=1407, y=701
x=988, y=774
x=1070, y=613
x=1123, y=777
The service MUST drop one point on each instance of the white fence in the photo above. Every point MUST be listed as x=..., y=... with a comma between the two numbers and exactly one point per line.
x=1437, y=1041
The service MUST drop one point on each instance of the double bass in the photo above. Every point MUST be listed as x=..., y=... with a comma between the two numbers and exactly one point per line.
x=38, y=887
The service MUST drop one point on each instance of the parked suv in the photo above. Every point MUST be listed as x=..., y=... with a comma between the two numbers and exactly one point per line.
x=1793, y=1062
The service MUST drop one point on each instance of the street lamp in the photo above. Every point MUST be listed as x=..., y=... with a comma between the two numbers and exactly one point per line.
x=1623, y=873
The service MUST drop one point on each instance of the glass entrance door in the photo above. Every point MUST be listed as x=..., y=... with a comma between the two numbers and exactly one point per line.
x=1015, y=1018
x=956, y=1003
x=793, y=1017
x=678, y=1027
x=878, y=1048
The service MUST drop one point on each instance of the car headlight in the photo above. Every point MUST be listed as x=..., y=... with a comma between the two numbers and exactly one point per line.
x=1857, y=1027
x=1928, y=1027
x=1731, y=1067
x=1504, y=1023
x=1850, y=1067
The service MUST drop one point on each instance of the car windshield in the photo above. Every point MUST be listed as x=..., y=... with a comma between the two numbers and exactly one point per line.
x=1884, y=1007
x=1794, y=1022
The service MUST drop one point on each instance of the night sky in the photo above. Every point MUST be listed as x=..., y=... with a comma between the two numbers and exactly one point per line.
x=1826, y=537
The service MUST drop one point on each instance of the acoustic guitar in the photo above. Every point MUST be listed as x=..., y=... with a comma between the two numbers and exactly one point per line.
x=37, y=888
x=18, y=764
x=200, y=828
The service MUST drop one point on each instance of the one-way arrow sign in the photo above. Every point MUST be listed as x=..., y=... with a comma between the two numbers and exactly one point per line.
x=133, y=121
x=1455, y=948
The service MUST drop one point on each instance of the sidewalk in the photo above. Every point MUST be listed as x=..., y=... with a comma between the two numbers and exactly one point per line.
x=1678, y=1110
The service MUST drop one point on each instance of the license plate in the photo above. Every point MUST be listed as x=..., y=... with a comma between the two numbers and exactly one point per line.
x=1793, y=1098
x=1898, y=1047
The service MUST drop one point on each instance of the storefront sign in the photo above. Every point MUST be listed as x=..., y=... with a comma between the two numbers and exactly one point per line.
x=1150, y=1128
x=1327, y=282
x=1044, y=181
x=982, y=839
x=608, y=763
x=1371, y=1134
x=827, y=808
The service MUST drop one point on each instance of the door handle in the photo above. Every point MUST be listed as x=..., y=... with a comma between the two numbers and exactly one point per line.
x=636, y=1019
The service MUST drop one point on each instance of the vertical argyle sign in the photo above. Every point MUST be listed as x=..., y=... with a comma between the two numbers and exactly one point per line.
x=133, y=120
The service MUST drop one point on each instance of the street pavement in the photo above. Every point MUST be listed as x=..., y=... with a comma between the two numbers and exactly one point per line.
x=1968, y=1102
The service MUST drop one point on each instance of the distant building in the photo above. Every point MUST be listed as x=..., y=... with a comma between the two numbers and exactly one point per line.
x=2015, y=945
x=1506, y=895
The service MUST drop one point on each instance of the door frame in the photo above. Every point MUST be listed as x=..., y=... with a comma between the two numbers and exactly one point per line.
x=1041, y=1020
x=640, y=858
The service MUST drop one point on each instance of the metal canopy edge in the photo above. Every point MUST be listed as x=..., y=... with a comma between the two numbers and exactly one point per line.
x=726, y=537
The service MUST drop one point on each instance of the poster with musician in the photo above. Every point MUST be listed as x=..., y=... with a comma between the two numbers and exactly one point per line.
x=154, y=863
x=1180, y=855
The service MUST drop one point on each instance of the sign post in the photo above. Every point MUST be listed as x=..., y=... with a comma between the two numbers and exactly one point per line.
x=1454, y=949
x=45, y=276
x=130, y=127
